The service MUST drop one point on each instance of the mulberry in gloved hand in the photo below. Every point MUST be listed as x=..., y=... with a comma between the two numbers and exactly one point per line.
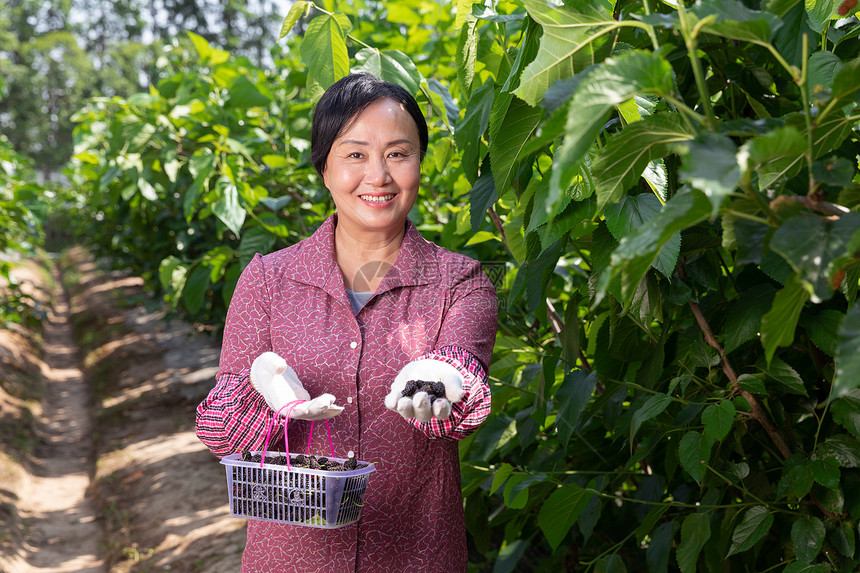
x=279, y=385
x=425, y=389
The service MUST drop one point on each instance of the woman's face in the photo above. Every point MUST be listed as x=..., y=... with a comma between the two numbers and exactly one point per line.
x=374, y=167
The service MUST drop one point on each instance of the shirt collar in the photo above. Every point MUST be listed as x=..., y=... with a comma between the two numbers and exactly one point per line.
x=315, y=262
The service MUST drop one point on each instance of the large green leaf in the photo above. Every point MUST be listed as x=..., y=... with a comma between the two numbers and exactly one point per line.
x=471, y=130
x=847, y=355
x=559, y=512
x=735, y=21
x=228, y=208
x=194, y=292
x=572, y=396
x=807, y=536
x=324, y=52
x=510, y=136
x=567, y=31
x=638, y=251
x=846, y=411
x=657, y=554
x=297, y=10
x=510, y=555
x=756, y=522
x=778, y=325
x=823, y=67
x=254, y=240
x=630, y=214
x=244, y=94
x=782, y=375
x=653, y=407
x=821, y=12
x=846, y=85
x=743, y=322
x=844, y=538
x=710, y=165
x=694, y=452
x=609, y=84
x=811, y=246
x=823, y=329
x=718, y=420
x=392, y=66
x=695, y=532
x=619, y=164
x=843, y=448
x=482, y=197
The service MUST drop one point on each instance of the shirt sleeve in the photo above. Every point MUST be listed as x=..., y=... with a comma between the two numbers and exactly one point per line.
x=473, y=409
x=234, y=416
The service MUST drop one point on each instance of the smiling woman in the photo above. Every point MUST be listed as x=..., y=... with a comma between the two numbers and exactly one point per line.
x=363, y=310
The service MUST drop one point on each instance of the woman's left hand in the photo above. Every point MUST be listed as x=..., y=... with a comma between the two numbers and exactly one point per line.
x=425, y=389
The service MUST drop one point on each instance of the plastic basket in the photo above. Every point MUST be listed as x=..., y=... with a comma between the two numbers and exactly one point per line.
x=295, y=495
x=299, y=496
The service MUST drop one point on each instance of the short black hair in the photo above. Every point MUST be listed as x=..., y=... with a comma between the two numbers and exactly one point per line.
x=341, y=104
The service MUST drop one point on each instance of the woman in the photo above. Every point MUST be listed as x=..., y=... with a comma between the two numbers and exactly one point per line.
x=356, y=311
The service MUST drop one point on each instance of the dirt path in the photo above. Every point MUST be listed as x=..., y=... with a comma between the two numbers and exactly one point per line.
x=63, y=531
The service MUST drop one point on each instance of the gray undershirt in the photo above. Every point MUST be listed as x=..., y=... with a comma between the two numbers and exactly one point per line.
x=358, y=299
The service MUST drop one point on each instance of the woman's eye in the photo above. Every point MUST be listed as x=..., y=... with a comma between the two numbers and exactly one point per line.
x=355, y=155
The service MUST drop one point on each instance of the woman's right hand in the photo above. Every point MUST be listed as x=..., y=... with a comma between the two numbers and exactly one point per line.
x=279, y=385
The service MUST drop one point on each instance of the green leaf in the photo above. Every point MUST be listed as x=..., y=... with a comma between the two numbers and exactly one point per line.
x=194, y=292
x=710, y=165
x=467, y=55
x=610, y=564
x=607, y=85
x=826, y=472
x=694, y=452
x=771, y=156
x=718, y=420
x=820, y=12
x=227, y=208
x=392, y=66
x=657, y=554
x=785, y=376
x=823, y=67
x=324, y=52
x=823, y=329
x=637, y=252
x=482, y=197
x=846, y=411
x=756, y=523
x=254, y=240
x=510, y=555
x=796, y=480
x=735, y=21
x=518, y=499
x=778, y=325
x=470, y=131
x=844, y=448
x=812, y=246
x=245, y=94
x=630, y=214
x=695, y=533
x=807, y=536
x=751, y=384
x=559, y=512
x=494, y=435
x=653, y=407
x=506, y=147
x=846, y=84
x=621, y=162
x=744, y=319
x=847, y=357
x=297, y=10
x=800, y=567
x=502, y=475
x=567, y=31
x=572, y=396
x=844, y=538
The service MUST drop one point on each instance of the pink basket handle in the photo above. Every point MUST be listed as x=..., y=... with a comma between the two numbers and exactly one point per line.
x=289, y=406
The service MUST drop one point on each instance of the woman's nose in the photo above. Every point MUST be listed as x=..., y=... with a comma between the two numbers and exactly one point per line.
x=377, y=172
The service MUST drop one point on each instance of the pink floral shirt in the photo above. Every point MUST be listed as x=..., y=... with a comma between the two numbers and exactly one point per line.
x=431, y=303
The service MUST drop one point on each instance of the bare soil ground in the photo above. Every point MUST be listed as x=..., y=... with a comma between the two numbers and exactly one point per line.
x=116, y=479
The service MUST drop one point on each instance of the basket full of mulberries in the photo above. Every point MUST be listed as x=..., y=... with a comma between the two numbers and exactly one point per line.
x=299, y=489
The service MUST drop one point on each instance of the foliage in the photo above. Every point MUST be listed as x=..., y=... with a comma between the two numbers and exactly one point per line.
x=22, y=204
x=668, y=198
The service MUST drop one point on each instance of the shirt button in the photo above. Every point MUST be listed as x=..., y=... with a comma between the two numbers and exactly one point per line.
x=353, y=344
x=349, y=399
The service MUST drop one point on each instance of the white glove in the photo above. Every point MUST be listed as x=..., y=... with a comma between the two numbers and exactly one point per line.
x=422, y=405
x=279, y=385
